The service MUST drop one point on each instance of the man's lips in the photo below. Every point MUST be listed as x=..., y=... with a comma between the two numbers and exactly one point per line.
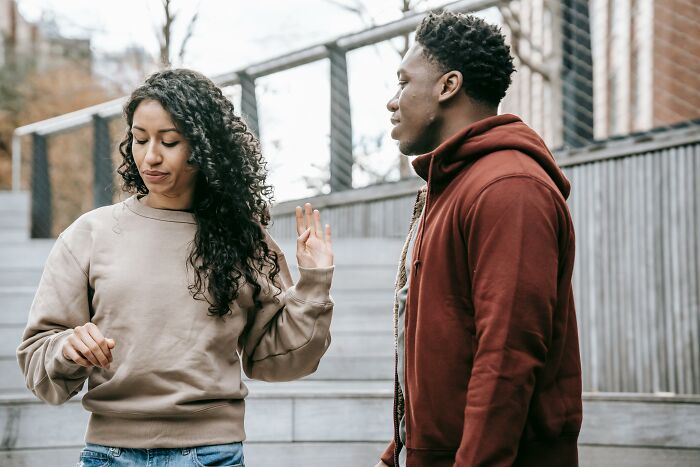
x=394, y=121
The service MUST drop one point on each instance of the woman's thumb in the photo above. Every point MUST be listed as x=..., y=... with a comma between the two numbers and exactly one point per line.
x=110, y=343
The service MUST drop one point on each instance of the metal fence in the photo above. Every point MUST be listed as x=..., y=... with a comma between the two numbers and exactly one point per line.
x=636, y=209
x=587, y=71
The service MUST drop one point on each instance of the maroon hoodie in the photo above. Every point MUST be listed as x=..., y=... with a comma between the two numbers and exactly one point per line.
x=493, y=373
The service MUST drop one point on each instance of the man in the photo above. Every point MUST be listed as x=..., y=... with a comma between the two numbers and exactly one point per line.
x=488, y=369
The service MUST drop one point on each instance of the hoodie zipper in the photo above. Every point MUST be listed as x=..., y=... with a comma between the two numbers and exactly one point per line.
x=424, y=217
x=397, y=439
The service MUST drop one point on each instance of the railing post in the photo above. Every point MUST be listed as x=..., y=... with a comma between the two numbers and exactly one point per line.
x=102, y=163
x=249, y=103
x=341, y=122
x=41, y=188
x=576, y=73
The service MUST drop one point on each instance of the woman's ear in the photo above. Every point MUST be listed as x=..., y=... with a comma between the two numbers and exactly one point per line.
x=451, y=84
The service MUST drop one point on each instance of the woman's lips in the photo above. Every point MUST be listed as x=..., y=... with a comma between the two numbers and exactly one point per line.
x=154, y=175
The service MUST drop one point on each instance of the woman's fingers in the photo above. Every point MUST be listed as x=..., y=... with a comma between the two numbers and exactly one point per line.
x=300, y=220
x=83, y=349
x=93, y=349
x=309, y=216
x=100, y=341
x=317, y=224
x=328, y=234
x=303, y=238
x=70, y=353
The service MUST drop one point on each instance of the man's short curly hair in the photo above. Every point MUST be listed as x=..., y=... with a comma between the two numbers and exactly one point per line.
x=470, y=45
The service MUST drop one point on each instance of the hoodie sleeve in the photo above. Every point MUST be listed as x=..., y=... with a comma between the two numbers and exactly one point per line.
x=286, y=338
x=513, y=246
x=60, y=304
x=388, y=455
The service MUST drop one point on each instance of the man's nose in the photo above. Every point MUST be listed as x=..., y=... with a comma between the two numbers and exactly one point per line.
x=393, y=104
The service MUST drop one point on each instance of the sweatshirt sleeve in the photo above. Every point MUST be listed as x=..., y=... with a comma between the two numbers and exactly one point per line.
x=286, y=338
x=513, y=245
x=60, y=304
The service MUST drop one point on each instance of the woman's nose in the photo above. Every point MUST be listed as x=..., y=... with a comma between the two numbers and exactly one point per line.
x=152, y=155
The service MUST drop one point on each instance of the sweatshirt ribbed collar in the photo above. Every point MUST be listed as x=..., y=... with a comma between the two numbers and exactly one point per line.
x=136, y=205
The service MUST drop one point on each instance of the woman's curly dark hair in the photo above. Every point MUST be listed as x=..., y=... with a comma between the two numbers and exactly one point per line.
x=231, y=197
x=473, y=47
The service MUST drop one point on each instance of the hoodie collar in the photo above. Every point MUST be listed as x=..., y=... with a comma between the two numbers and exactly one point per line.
x=492, y=134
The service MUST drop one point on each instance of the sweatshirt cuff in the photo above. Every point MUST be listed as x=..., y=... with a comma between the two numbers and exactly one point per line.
x=314, y=284
x=57, y=364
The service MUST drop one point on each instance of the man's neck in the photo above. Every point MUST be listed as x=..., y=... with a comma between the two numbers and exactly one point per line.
x=460, y=117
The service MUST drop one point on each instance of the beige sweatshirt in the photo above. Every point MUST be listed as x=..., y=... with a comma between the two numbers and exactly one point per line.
x=175, y=380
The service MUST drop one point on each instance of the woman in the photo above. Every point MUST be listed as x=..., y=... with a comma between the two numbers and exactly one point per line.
x=153, y=299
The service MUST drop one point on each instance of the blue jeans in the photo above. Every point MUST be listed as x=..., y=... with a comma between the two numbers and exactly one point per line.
x=222, y=455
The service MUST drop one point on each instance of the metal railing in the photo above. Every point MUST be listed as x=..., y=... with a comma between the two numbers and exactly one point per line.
x=583, y=74
x=635, y=204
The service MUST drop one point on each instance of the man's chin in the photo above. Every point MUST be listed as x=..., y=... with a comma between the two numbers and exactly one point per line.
x=407, y=149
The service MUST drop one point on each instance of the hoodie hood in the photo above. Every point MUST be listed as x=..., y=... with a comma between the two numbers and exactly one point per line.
x=493, y=134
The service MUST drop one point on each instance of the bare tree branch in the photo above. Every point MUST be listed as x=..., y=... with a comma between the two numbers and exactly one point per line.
x=188, y=35
x=166, y=32
x=358, y=9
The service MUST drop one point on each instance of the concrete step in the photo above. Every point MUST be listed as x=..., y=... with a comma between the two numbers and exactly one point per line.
x=20, y=277
x=352, y=454
x=283, y=412
x=31, y=254
x=10, y=337
x=12, y=234
x=14, y=211
x=372, y=368
x=293, y=421
x=15, y=303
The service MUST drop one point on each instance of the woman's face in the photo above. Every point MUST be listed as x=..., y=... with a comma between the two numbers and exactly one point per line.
x=161, y=155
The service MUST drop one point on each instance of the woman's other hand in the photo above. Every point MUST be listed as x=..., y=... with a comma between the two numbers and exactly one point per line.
x=314, y=249
x=88, y=347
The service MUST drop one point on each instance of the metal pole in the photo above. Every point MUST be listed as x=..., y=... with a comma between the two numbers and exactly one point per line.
x=16, y=162
x=249, y=103
x=341, y=122
x=577, y=73
x=41, y=188
x=102, y=163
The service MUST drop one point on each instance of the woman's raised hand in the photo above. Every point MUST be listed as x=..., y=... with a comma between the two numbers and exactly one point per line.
x=314, y=249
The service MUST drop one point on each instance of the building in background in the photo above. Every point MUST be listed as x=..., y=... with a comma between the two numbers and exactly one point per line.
x=645, y=64
x=41, y=42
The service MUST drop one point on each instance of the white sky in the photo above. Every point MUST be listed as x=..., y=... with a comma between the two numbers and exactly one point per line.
x=231, y=34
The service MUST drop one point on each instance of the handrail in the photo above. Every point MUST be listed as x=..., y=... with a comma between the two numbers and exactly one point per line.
x=287, y=61
x=636, y=145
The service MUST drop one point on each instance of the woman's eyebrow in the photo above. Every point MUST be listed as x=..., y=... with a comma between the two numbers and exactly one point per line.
x=159, y=131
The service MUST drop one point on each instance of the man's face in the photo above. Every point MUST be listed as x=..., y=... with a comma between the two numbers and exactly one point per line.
x=415, y=109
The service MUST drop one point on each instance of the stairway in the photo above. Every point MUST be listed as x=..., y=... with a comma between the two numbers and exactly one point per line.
x=339, y=416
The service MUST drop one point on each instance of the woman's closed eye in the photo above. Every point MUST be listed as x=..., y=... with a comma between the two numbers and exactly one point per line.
x=167, y=145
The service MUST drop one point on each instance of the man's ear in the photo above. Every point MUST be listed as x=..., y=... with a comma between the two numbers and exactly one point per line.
x=450, y=85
